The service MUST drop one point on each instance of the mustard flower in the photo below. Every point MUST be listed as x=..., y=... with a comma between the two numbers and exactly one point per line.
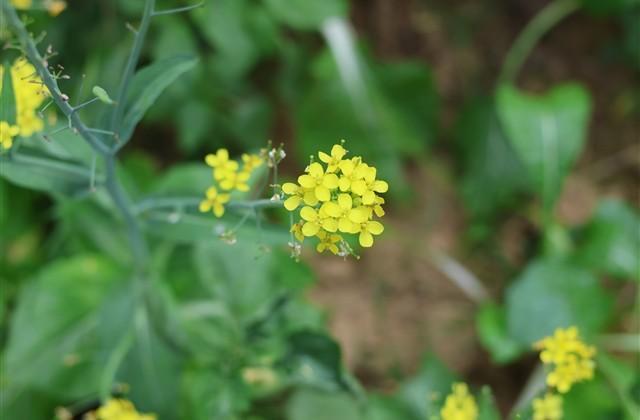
x=55, y=7
x=250, y=162
x=322, y=183
x=348, y=217
x=221, y=164
x=316, y=220
x=571, y=359
x=366, y=231
x=119, y=409
x=21, y=4
x=297, y=196
x=368, y=186
x=235, y=181
x=548, y=407
x=328, y=242
x=459, y=404
x=351, y=170
x=214, y=202
x=296, y=229
x=333, y=160
x=7, y=133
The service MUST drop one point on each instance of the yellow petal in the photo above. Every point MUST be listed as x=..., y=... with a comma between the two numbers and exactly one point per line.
x=331, y=209
x=212, y=193
x=345, y=225
x=359, y=215
x=310, y=229
x=307, y=181
x=330, y=181
x=380, y=186
x=308, y=214
x=315, y=170
x=289, y=188
x=310, y=198
x=344, y=183
x=359, y=187
x=218, y=209
x=346, y=166
x=211, y=160
x=242, y=187
x=204, y=206
x=330, y=224
x=368, y=198
x=375, y=227
x=338, y=152
x=292, y=203
x=223, y=154
x=322, y=193
x=224, y=198
x=344, y=201
x=324, y=157
x=365, y=239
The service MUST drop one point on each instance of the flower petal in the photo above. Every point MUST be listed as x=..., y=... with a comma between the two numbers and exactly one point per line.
x=330, y=225
x=315, y=170
x=324, y=157
x=292, y=203
x=345, y=202
x=308, y=214
x=344, y=183
x=338, y=152
x=359, y=215
x=310, y=229
x=211, y=160
x=290, y=188
x=380, y=186
x=359, y=187
x=322, y=193
x=310, y=198
x=368, y=198
x=365, y=239
x=330, y=181
x=218, y=209
x=331, y=209
x=205, y=206
x=375, y=227
x=307, y=181
x=346, y=166
x=345, y=225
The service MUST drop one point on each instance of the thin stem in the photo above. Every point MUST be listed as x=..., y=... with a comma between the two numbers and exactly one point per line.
x=546, y=19
x=193, y=202
x=130, y=68
x=31, y=51
x=82, y=105
x=177, y=10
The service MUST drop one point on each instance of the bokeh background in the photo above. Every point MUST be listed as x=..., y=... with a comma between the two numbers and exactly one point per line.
x=409, y=84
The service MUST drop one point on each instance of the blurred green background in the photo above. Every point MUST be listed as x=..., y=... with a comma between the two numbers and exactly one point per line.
x=485, y=250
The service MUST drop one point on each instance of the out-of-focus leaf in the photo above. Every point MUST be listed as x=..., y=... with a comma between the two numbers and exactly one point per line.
x=592, y=399
x=609, y=7
x=317, y=405
x=387, y=408
x=302, y=14
x=610, y=242
x=147, y=85
x=491, y=324
x=550, y=294
x=51, y=346
x=547, y=132
x=493, y=173
x=209, y=394
x=487, y=409
x=423, y=393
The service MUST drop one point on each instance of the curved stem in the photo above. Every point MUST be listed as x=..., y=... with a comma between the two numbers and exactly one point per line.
x=546, y=19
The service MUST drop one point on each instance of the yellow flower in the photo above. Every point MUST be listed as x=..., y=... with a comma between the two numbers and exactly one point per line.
x=570, y=357
x=214, y=202
x=120, y=409
x=366, y=231
x=296, y=229
x=368, y=186
x=21, y=4
x=251, y=162
x=7, y=133
x=322, y=183
x=55, y=7
x=548, y=407
x=316, y=220
x=348, y=217
x=351, y=170
x=235, y=181
x=298, y=195
x=328, y=241
x=221, y=164
x=337, y=153
x=459, y=404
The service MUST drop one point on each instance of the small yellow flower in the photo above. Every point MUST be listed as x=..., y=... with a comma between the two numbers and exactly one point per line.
x=570, y=357
x=548, y=407
x=7, y=133
x=296, y=229
x=322, y=183
x=120, y=409
x=328, y=242
x=459, y=404
x=366, y=231
x=337, y=153
x=348, y=217
x=214, y=202
x=235, y=181
x=368, y=186
x=316, y=220
x=55, y=7
x=351, y=170
x=221, y=164
x=21, y=4
x=298, y=195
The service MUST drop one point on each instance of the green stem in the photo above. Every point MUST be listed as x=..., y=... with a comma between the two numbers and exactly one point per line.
x=550, y=15
x=130, y=69
x=182, y=202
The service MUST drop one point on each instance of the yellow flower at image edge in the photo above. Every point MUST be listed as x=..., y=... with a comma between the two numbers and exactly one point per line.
x=571, y=359
x=7, y=133
x=119, y=409
x=214, y=202
x=459, y=404
x=548, y=407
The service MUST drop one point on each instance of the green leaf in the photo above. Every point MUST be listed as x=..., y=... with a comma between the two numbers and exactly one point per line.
x=547, y=133
x=316, y=405
x=147, y=85
x=423, y=392
x=211, y=394
x=487, y=409
x=51, y=345
x=493, y=173
x=551, y=294
x=304, y=14
x=7, y=99
x=491, y=324
x=610, y=242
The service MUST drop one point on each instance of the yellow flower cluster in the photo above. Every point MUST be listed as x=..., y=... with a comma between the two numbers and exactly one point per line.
x=548, y=407
x=55, y=7
x=459, y=404
x=29, y=93
x=341, y=197
x=229, y=176
x=571, y=358
x=119, y=409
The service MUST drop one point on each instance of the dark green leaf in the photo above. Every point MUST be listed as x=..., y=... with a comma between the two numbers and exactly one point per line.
x=491, y=324
x=547, y=132
x=427, y=388
x=552, y=294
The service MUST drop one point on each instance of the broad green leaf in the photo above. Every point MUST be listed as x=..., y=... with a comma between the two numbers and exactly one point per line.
x=547, y=132
x=593, y=399
x=550, y=294
x=491, y=324
x=493, y=175
x=42, y=173
x=610, y=242
x=213, y=394
x=423, y=392
x=52, y=342
x=317, y=405
x=7, y=97
x=303, y=14
x=147, y=85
